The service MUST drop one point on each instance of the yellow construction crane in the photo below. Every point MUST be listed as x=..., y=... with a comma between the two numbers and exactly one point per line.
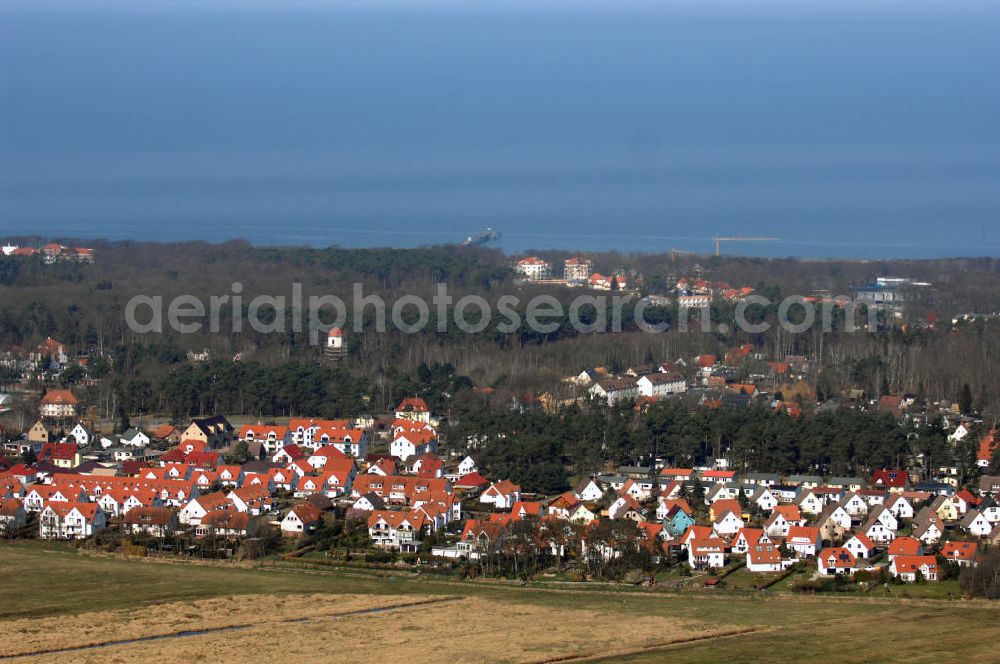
x=718, y=239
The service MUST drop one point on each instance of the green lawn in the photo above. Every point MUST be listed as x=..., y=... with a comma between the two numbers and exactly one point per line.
x=49, y=579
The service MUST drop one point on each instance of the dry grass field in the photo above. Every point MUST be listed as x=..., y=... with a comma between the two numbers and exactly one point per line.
x=55, y=598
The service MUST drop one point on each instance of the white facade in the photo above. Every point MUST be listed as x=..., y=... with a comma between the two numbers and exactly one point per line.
x=533, y=268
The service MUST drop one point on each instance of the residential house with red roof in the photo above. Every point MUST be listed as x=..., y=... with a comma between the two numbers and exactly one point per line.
x=803, y=540
x=860, y=545
x=152, y=521
x=58, y=404
x=472, y=483
x=987, y=446
x=413, y=408
x=764, y=557
x=300, y=519
x=406, y=444
x=908, y=567
x=70, y=520
x=501, y=495
x=893, y=480
x=963, y=553
x=396, y=530
x=63, y=455
x=12, y=515
x=195, y=510
x=228, y=523
x=836, y=560
x=525, y=509
x=707, y=553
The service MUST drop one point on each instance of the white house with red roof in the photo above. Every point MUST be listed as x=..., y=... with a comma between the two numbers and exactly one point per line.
x=195, y=510
x=907, y=568
x=963, y=553
x=987, y=445
x=71, y=520
x=58, y=404
x=271, y=436
x=836, y=560
x=804, y=540
x=413, y=443
x=502, y=495
x=860, y=545
x=533, y=267
x=748, y=537
x=764, y=557
x=707, y=553
x=413, y=408
x=323, y=455
x=396, y=530
x=352, y=442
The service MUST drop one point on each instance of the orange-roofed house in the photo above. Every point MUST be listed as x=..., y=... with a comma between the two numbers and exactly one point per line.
x=254, y=499
x=723, y=505
x=323, y=455
x=58, y=404
x=224, y=523
x=479, y=537
x=154, y=521
x=707, y=553
x=987, y=445
x=272, y=437
x=166, y=433
x=384, y=467
x=763, y=557
x=564, y=505
x=963, y=553
x=195, y=510
x=904, y=546
x=836, y=560
x=860, y=545
x=413, y=408
x=301, y=519
x=502, y=495
x=907, y=568
x=12, y=514
x=71, y=520
x=748, y=537
x=426, y=465
x=706, y=361
x=677, y=474
x=352, y=442
x=396, y=530
x=406, y=444
x=524, y=509
x=803, y=540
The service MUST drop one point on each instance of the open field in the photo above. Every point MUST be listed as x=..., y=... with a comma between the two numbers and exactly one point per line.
x=56, y=598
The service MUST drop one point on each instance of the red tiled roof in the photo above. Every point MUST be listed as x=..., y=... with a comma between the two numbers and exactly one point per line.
x=959, y=550
x=472, y=480
x=987, y=444
x=911, y=564
x=59, y=398
x=412, y=405
x=838, y=556
x=904, y=546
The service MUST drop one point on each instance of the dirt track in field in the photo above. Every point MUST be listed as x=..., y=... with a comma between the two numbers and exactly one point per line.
x=35, y=635
x=422, y=632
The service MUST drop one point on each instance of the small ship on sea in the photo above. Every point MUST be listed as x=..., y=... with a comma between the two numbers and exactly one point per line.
x=480, y=238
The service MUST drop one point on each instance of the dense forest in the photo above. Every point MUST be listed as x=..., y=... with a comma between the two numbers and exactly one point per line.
x=82, y=305
x=542, y=451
